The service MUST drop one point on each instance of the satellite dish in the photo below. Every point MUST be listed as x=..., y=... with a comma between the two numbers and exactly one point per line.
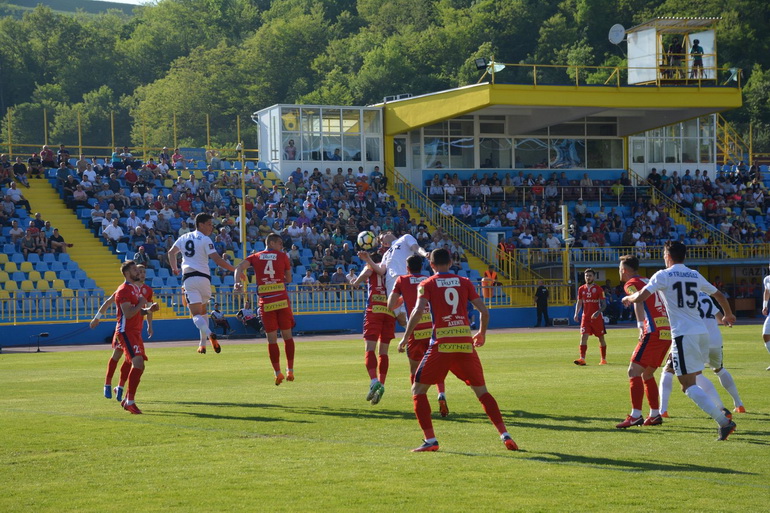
x=496, y=68
x=617, y=34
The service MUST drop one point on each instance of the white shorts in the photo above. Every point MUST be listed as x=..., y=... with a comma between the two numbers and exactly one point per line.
x=715, y=346
x=766, y=327
x=390, y=283
x=689, y=352
x=197, y=289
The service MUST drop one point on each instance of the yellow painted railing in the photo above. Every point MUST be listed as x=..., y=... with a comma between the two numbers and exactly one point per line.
x=731, y=148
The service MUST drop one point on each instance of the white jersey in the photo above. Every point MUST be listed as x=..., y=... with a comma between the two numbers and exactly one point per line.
x=766, y=282
x=395, y=259
x=679, y=286
x=195, y=248
x=709, y=308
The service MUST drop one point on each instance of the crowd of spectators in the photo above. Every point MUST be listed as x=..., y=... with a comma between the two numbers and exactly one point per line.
x=318, y=214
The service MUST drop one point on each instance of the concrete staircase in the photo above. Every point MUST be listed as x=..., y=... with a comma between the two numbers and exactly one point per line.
x=91, y=255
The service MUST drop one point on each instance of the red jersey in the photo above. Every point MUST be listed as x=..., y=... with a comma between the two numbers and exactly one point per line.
x=270, y=272
x=656, y=317
x=590, y=295
x=146, y=291
x=448, y=296
x=128, y=293
x=407, y=285
x=377, y=295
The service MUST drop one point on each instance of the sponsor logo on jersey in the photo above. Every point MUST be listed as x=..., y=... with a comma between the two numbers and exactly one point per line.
x=448, y=282
x=381, y=309
x=426, y=317
x=271, y=287
x=268, y=256
x=422, y=334
x=661, y=321
x=416, y=280
x=453, y=331
x=379, y=298
x=278, y=305
x=452, y=347
x=664, y=335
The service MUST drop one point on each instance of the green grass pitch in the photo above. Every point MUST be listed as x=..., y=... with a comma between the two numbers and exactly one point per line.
x=218, y=435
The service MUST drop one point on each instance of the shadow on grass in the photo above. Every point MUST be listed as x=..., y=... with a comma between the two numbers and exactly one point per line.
x=359, y=413
x=213, y=416
x=520, y=418
x=630, y=466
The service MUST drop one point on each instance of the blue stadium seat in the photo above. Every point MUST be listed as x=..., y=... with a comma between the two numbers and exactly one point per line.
x=49, y=257
x=80, y=275
x=41, y=267
x=73, y=284
x=157, y=282
x=65, y=275
x=17, y=258
x=89, y=283
x=33, y=258
x=163, y=272
x=56, y=266
x=229, y=281
x=122, y=248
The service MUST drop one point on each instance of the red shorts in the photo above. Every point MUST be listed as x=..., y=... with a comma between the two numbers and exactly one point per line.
x=651, y=349
x=379, y=327
x=131, y=344
x=416, y=349
x=593, y=327
x=275, y=320
x=436, y=364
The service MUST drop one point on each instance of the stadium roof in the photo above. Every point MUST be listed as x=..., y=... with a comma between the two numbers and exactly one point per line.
x=676, y=25
x=637, y=108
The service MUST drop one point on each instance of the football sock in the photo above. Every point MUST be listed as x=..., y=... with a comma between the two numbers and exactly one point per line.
x=370, y=360
x=707, y=386
x=441, y=388
x=133, y=382
x=275, y=356
x=603, y=350
x=637, y=394
x=203, y=325
x=703, y=401
x=726, y=379
x=651, y=389
x=384, y=364
x=111, y=366
x=124, y=370
x=666, y=385
x=288, y=345
x=422, y=412
x=583, y=350
x=493, y=412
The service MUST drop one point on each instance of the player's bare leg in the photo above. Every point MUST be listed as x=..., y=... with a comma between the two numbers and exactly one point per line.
x=583, y=348
x=493, y=412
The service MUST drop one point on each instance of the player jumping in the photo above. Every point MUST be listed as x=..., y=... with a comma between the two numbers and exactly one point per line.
x=272, y=271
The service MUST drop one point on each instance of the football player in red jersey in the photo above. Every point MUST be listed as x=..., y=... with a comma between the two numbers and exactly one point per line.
x=117, y=351
x=405, y=290
x=132, y=307
x=379, y=326
x=654, y=342
x=452, y=348
x=272, y=271
x=591, y=300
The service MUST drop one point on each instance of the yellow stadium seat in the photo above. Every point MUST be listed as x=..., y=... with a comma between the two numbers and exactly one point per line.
x=42, y=285
x=4, y=295
x=11, y=267
x=50, y=276
x=26, y=267
x=4, y=277
x=198, y=173
x=3, y=258
x=268, y=183
x=270, y=175
x=34, y=275
x=168, y=183
x=11, y=286
x=252, y=193
x=27, y=286
x=58, y=284
x=65, y=292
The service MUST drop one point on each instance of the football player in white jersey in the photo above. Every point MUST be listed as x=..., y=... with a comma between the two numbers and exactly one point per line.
x=765, y=305
x=679, y=286
x=393, y=262
x=196, y=248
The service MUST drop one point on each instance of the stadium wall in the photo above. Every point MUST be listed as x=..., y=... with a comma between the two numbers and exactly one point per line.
x=183, y=329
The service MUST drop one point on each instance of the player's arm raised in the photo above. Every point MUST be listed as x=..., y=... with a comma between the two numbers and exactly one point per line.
x=102, y=310
x=416, y=248
x=367, y=259
x=637, y=297
x=362, y=277
x=414, y=320
x=480, y=337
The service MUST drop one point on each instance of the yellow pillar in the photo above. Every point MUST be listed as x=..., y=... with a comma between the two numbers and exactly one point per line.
x=10, y=135
x=80, y=136
x=45, y=126
x=112, y=129
x=175, y=145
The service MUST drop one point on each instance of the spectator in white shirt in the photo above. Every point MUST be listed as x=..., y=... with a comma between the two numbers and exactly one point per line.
x=446, y=208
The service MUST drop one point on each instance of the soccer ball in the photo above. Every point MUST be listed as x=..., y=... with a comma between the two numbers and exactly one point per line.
x=366, y=240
